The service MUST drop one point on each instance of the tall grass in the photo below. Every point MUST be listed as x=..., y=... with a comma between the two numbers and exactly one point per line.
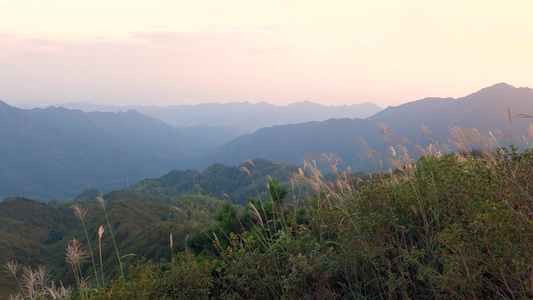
x=441, y=226
x=103, y=204
x=36, y=283
x=75, y=257
x=81, y=212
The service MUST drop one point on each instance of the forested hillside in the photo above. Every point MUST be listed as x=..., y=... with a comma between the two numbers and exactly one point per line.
x=221, y=181
x=142, y=217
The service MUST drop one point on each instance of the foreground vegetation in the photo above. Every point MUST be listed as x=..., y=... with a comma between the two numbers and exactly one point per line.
x=447, y=227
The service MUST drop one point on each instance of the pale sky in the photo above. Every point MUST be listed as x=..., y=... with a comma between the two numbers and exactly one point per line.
x=331, y=52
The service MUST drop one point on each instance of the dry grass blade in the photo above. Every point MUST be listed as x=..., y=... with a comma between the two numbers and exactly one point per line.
x=523, y=116
x=367, y=148
x=171, y=246
x=176, y=208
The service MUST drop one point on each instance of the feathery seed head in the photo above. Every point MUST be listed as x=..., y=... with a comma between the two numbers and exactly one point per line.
x=13, y=266
x=101, y=201
x=245, y=169
x=79, y=211
x=60, y=292
x=176, y=208
x=254, y=214
x=100, y=231
x=171, y=241
x=28, y=277
x=424, y=130
x=75, y=252
x=392, y=151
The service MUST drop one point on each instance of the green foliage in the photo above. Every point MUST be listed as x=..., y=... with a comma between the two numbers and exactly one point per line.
x=447, y=227
x=219, y=181
x=35, y=233
x=183, y=278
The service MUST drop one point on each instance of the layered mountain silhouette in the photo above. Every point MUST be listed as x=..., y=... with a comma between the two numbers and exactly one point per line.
x=417, y=122
x=56, y=152
x=241, y=118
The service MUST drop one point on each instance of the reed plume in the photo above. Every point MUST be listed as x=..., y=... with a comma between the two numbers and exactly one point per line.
x=100, y=234
x=103, y=204
x=81, y=212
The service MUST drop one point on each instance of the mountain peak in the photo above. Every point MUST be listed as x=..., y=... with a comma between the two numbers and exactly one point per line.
x=303, y=104
x=5, y=107
x=497, y=88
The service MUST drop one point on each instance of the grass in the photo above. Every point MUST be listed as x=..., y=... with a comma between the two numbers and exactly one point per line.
x=101, y=230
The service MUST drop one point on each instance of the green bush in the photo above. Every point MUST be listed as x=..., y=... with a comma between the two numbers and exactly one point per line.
x=183, y=278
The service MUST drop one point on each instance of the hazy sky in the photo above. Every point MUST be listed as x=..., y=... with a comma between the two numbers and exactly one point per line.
x=332, y=52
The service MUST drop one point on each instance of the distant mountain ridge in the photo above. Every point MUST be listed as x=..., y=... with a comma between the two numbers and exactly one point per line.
x=57, y=152
x=242, y=117
x=485, y=110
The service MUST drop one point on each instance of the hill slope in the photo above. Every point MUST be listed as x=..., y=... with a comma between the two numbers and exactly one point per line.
x=419, y=122
x=179, y=202
x=56, y=152
x=220, y=181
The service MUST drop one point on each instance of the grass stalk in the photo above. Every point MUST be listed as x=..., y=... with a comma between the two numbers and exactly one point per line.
x=103, y=204
x=80, y=213
x=100, y=233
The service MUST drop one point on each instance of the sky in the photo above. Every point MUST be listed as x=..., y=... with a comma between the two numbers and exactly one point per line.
x=331, y=52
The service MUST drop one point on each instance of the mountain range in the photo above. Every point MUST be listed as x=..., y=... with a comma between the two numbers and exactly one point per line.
x=58, y=152
x=239, y=118
x=413, y=123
